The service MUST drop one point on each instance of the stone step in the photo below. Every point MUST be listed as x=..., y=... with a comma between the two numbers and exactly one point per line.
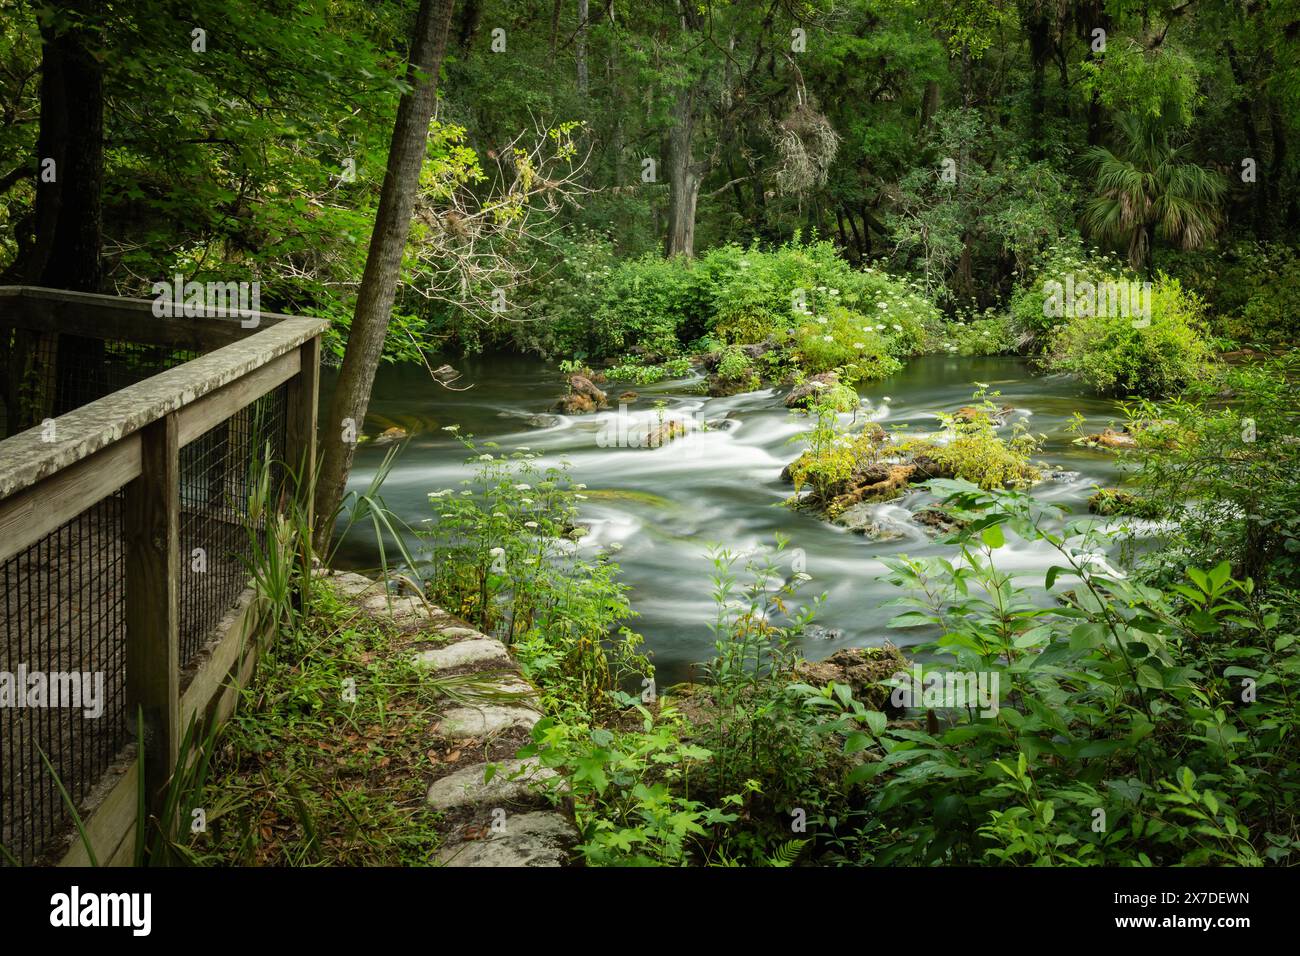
x=478, y=650
x=540, y=838
x=463, y=723
x=514, y=783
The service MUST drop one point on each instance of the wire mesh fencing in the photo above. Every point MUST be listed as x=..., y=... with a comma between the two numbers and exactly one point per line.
x=63, y=658
x=64, y=601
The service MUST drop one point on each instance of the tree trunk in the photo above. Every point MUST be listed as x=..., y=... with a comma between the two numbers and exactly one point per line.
x=580, y=47
x=683, y=178
x=384, y=259
x=69, y=216
x=929, y=104
x=69, y=211
x=1039, y=29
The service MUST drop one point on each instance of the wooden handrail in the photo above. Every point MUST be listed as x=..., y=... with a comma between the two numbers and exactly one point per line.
x=27, y=458
x=113, y=317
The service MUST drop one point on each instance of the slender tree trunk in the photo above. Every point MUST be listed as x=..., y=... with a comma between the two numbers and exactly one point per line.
x=683, y=177
x=383, y=262
x=929, y=104
x=1040, y=51
x=1277, y=163
x=580, y=47
x=1246, y=109
x=555, y=27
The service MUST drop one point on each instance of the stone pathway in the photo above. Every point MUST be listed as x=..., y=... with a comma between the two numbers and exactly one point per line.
x=493, y=805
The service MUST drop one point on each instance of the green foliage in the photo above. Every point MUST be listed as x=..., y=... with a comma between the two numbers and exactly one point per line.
x=1075, y=763
x=976, y=453
x=628, y=786
x=632, y=370
x=1132, y=355
x=503, y=558
x=1147, y=188
x=1159, y=85
x=984, y=333
x=834, y=451
x=999, y=207
x=1228, y=472
x=1033, y=319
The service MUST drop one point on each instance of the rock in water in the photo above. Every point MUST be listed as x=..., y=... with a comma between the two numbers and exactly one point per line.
x=805, y=392
x=584, y=397
x=1109, y=438
x=862, y=669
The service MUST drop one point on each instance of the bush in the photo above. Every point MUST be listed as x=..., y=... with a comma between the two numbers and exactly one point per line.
x=982, y=333
x=1031, y=321
x=977, y=453
x=1250, y=287
x=1228, y=475
x=846, y=340
x=1120, y=355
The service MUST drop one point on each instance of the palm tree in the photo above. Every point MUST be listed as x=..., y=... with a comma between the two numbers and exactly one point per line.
x=1147, y=189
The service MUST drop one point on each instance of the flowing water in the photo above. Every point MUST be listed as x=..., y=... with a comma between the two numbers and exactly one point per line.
x=718, y=485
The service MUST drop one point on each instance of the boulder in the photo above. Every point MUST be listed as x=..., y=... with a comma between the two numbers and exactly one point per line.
x=514, y=783
x=663, y=432
x=803, y=394
x=584, y=397
x=481, y=651
x=539, y=838
x=969, y=413
x=861, y=669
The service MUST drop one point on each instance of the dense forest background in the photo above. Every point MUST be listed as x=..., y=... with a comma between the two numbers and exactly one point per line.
x=953, y=142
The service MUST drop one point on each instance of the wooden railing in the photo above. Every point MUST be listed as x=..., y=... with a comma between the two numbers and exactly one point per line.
x=129, y=444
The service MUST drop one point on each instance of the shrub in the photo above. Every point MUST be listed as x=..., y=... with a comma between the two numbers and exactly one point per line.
x=1228, y=472
x=1032, y=323
x=983, y=333
x=1117, y=354
x=845, y=340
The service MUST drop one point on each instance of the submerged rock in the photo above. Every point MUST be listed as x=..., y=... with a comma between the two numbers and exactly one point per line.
x=937, y=521
x=1109, y=438
x=861, y=519
x=542, y=421
x=390, y=435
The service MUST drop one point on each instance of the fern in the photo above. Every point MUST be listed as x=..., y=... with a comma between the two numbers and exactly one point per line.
x=787, y=853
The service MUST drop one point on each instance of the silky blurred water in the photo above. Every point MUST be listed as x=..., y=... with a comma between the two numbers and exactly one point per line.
x=716, y=486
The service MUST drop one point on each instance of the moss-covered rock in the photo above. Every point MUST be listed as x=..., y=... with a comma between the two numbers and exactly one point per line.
x=860, y=668
x=1113, y=502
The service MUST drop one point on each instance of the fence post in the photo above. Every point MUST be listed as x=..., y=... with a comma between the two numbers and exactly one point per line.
x=300, y=420
x=152, y=524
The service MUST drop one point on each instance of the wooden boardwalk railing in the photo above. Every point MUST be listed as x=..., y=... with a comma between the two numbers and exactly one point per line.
x=94, y=504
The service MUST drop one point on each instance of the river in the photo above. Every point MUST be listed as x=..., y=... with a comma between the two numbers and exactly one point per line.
x=665, y=506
